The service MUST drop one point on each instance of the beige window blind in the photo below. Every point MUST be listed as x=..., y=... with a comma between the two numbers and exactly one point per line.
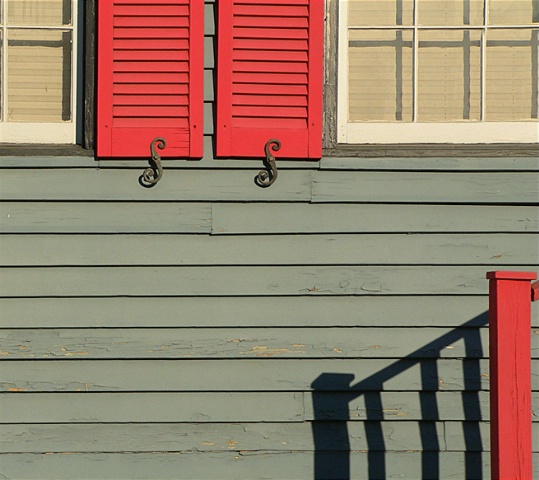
x=37, y=56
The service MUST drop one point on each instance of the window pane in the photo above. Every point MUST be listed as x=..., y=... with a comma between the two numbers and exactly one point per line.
x=513, y=12
x=39, y=76
x=511, y=74
x=380, y=75
x=39, y=12
x=450, y=12
x=380, y=12
x=449, y=75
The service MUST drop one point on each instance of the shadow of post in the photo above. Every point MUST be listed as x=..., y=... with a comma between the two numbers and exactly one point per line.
x=333, y=392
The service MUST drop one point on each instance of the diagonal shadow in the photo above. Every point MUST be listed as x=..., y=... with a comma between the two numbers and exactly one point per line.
x=333, y=392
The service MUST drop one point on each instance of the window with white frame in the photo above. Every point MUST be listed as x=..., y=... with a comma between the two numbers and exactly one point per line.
x=38, y=77
x=438, y=71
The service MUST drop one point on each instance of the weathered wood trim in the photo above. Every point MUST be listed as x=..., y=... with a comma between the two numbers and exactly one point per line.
x=12, y=155
x=433, y=150
x=432, y=164
x=90, y=35
x=330, y=75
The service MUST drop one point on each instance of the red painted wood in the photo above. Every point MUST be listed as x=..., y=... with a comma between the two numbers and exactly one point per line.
x=150, y=77
x=316, y=103
x=512, y=275
x=270, y=77
x=510, y=375
x=535, y=291
x=196, y=94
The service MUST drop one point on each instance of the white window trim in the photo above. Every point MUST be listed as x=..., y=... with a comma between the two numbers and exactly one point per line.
x=462, y=132
x=24, y=132
x=44, y=133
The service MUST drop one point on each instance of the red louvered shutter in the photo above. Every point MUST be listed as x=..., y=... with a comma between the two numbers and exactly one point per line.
x=270, y=77
x=150, y=77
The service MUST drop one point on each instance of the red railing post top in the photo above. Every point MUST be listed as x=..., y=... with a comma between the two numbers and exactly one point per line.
x=501, y=275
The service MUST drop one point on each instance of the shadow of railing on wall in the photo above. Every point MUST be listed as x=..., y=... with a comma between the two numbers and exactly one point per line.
x=333, y=392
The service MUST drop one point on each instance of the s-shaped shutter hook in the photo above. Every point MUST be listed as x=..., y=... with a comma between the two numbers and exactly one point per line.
x=265, y=178
x=155, y=171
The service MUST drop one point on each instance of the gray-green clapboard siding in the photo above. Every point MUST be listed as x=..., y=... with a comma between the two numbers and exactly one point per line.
x=208, y=328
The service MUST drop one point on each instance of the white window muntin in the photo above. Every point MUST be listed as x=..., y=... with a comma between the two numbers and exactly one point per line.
x=462, y=131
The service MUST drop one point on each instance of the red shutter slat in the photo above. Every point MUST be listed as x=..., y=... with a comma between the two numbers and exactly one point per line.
x=270, y=76
x=150, y=77
x=248, y=66
x=276, y=100
x=151, y=9
x=172, y=33
x=241, y=44
x=134, y=21
x=249, y=21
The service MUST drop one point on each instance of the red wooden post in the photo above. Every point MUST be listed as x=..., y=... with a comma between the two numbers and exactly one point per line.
x=510, y=295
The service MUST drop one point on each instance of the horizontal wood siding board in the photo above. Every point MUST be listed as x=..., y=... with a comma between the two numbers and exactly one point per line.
x=77, y=217
x=345, y=249
x=261, y=374
x=252, y=407
x=205, y=437
x=216, y=437
x=462, y=163
x=176, y=185
x=230, y=185
x=373, y=342
x=244, y=280
x=402, y=406
x=308, y=311
x=151, y=407
x=427, y=187
x=367, y=218
x=243, y=465
x=455, y=435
